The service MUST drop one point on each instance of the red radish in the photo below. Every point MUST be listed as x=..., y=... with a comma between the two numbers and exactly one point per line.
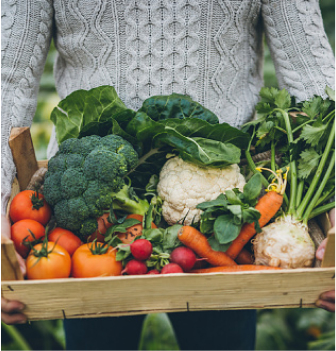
x=153, y=271
x=184, y=257
x=141, y=249
x=135, y=267
x=171, y=268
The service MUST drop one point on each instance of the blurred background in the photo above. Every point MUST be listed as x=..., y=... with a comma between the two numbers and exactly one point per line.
x=283, y=329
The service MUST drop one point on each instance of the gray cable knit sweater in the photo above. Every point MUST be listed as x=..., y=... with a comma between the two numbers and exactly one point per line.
x=209, y=49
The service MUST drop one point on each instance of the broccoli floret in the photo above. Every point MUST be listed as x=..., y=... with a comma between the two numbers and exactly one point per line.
x=86, y=176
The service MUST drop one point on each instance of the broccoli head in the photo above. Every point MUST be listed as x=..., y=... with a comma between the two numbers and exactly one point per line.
x=85, y=176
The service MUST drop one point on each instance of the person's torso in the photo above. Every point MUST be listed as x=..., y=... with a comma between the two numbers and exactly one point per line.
x=208, y=49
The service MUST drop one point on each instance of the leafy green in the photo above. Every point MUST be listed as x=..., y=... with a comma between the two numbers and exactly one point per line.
x=86, y=109
x=308, y=162
x=164, y=125
x=226, y=215
x=304, y=133
x=176, y=106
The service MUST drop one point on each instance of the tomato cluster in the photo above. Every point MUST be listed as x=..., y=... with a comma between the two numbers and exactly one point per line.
x=61, y=254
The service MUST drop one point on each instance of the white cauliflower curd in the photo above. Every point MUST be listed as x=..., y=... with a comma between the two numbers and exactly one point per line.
x=183, y=185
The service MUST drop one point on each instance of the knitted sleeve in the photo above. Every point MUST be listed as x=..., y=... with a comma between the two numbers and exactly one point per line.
x=26, y=28
x=302, y=56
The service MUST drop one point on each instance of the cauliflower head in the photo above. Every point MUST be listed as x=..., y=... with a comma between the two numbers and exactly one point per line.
x=183, y=185
x=83, y=177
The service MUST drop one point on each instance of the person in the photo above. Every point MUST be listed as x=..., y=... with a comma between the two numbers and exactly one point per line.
x=210, y=50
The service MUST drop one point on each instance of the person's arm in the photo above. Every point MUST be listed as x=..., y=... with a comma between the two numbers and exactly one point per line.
x=26, y=31
x=302, y=56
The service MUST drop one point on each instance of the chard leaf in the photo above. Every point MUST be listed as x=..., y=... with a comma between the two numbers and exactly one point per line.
x=200, y=151
x=86, y=109
x=176, y=106
x=308, y=162
x=225, y=230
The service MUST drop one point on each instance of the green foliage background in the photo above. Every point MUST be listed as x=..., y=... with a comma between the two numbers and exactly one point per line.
x=283, y=329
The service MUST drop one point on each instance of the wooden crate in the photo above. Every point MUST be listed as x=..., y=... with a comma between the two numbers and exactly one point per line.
x=130, y=295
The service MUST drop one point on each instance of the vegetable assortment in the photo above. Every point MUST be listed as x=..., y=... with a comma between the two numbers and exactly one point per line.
x=160, y=190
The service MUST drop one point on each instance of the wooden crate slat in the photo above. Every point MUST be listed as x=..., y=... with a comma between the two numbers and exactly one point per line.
x=115, y=296
x=10, y=268
x=329, y=254
x=23, y=152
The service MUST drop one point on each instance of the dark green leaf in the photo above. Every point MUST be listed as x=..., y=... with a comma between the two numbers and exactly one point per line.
x=283, y=99
x=233, y=198
x=250, y=215
x=308, y=163
x=253, y=187
x=170, y=238
x=225, y=230
x=215, y=245
x=219, y=202
x=236, y=210
x=176, y=106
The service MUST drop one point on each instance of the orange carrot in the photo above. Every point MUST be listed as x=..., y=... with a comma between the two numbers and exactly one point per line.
x=197, y=242
x=268, y=205
x=245, y=257
x=238, y=268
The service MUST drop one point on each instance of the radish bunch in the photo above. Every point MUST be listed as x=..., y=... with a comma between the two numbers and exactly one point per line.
x=141, y=250
x=181, y=260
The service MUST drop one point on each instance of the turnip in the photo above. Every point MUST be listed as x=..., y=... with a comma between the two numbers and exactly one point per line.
x=135, y=267
x=141, y=249
x=184, y=257
x=171, y=268
x=309, y=140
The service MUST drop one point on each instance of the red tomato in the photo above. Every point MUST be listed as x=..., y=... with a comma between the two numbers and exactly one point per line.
x=103, y=225
x=26, y=205
x=21, y=230
x=57, y=263
x=66, y=239
x=86, y=264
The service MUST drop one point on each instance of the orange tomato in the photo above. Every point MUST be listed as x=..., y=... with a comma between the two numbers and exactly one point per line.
x=57, y=263
x=86, y=264
x=134, y=231
x=29, y=205
x=103, y=225
x=20, y=232
x=66, y=239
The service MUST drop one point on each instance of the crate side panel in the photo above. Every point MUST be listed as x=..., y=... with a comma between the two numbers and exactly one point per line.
x=72, y=298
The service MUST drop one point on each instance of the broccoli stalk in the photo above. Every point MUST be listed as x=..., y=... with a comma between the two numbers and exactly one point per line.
x=126, y=200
